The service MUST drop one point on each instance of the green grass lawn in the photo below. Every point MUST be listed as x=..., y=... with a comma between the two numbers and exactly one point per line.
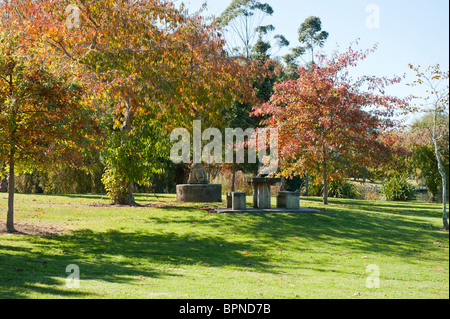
x=171, y=250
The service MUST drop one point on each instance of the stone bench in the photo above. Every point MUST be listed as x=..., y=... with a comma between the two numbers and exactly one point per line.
x=288, y=200
x=236, y=200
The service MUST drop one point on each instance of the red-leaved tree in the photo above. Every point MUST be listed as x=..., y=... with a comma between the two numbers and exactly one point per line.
x=330, y=124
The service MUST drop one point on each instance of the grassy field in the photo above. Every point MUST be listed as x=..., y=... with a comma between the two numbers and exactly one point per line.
x=169, y=250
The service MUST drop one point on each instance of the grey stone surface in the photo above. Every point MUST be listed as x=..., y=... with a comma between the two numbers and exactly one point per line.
x=199, y=193
x=289, y=200
x=261, y=190
x=293, y=202
x=262, y=198
x=258, y=179
x=238, y=201
x=198, y=175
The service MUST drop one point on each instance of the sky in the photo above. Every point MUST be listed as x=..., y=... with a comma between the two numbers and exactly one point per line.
x=409, y=31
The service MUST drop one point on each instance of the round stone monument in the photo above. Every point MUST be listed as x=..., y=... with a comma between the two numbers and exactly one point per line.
x=198, y=189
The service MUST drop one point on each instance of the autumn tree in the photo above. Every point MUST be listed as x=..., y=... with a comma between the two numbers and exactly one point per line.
x=43, y=113
x=328, y=123
x=153, y=63
x=436, y=102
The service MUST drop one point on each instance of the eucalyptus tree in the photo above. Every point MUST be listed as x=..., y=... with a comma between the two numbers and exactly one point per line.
x=436, y=102
x=310, y=36
x=243, y=21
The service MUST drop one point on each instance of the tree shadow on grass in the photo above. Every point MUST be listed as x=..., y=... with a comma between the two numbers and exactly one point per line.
x=121, y=257
x=363, y=230
x=138, y=197
x=79, y=196
x=412, y=209
x=355, y=231
x=372, y=226
x=112, y=257
x=23, y=271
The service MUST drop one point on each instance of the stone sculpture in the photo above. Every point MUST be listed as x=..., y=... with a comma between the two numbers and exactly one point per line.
x=198, y=175
x=198, y=189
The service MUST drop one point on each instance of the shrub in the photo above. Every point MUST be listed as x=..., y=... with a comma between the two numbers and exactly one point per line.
x=30, y=183
x=240, y=185
x=315, y=189
x=343, y=189
x=295, y=184
x=370, y=192
x=397, y=188
x=61, y=180
x=336, y=189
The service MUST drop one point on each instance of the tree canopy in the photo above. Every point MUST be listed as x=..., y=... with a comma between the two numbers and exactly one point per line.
x=329, y=124
x=45, y=117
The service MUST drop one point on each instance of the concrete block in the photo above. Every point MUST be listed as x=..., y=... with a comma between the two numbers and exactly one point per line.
x=191, y=193
x=239, y=201
x=288, y=200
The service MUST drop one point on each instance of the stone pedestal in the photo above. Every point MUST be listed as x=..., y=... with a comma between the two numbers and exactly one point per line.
x=261, y=191
x=261, y=196
x=199, y=193
x=288, y=200
x=239, y=201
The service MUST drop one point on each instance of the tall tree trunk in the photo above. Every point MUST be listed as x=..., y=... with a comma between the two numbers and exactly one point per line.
x=130, y=198
x=444, y=200
x=12, y=153
x=307, y=184
x=385, y=192
x=233, y=178
x=442, y=172
x=125, y=195
x=11, y=185
x=325, y=183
